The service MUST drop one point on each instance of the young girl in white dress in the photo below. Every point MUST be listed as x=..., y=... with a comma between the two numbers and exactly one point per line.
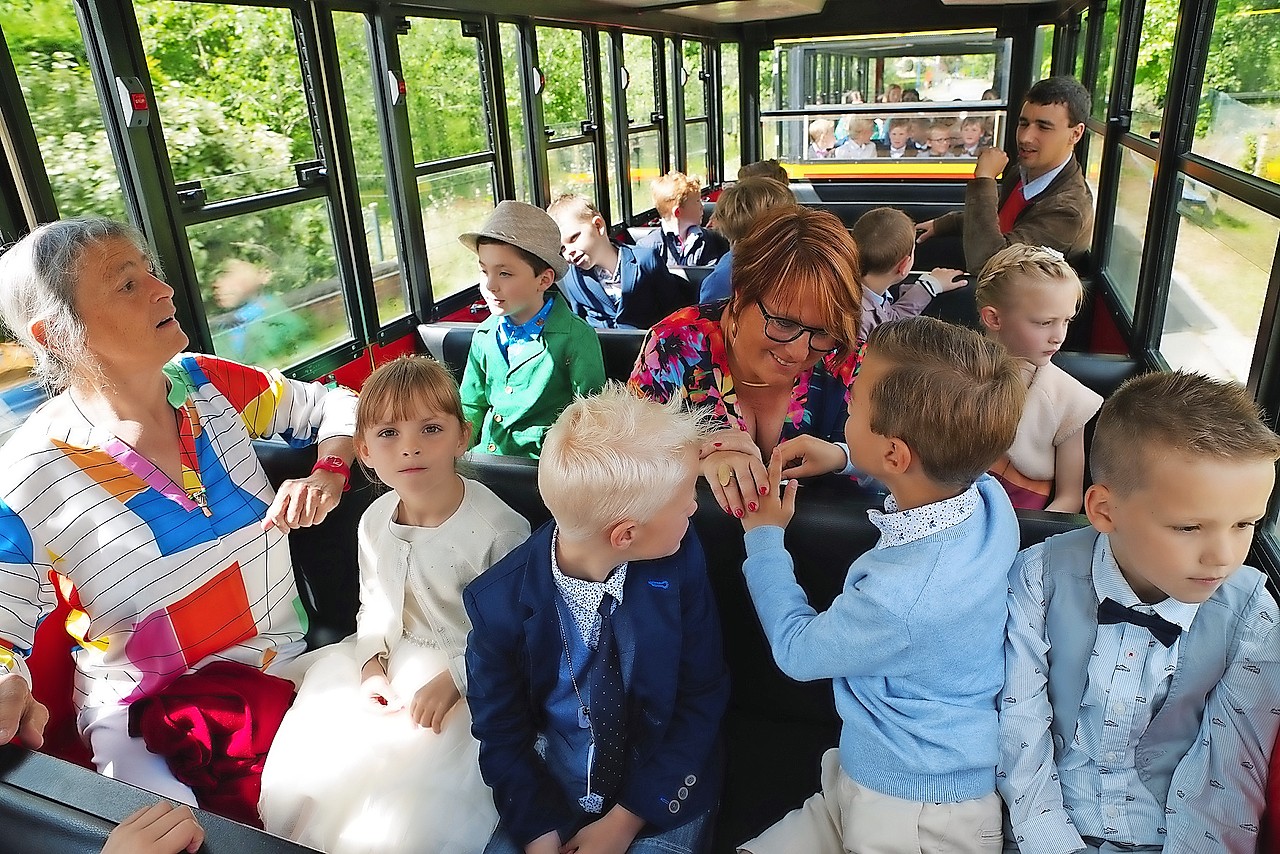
x=1026, y=296
x=376, y=754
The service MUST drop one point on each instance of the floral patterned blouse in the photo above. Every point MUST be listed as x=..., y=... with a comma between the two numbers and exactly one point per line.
x=684, y=354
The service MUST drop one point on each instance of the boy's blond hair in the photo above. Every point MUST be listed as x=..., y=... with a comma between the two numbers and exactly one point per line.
x=764, y=169
x=672, y=190
x=574, y=205
x=1175, y=412
x=818, y=128
x=614, y=456
x=884, y=236
x=1020, y=261
x=742, y=203
x=859, y=124
x=954, y=396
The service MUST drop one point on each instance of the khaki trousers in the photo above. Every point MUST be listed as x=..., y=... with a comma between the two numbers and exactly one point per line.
x=845, y=817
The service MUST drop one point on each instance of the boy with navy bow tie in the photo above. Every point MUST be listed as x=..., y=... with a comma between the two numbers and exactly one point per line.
x=594, y=670
x=1142, y=659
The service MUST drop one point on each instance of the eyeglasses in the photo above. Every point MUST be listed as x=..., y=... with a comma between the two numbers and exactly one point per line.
x=784, y=331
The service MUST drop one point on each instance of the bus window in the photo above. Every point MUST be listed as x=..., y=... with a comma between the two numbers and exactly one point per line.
x=567, y=111
x=450, y=134
x=609, y=122
x=645, y=141
x=509, y=35
x=1110, y=24
x=731, y=111
x=1151, y=78
x=645, y=150
x=1129, y=231
x=53, y=72
x=267, y=303
x=1043, y=52
x=229, y=91
x=389, y=283
x=1237, y=124
x=1222, y=261
x=693, y=72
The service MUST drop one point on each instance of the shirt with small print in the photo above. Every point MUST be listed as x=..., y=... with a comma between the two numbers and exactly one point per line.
x=899, y=527
x=513, y=337
x=583, y=597
x=1097, y=782
x=610, y=280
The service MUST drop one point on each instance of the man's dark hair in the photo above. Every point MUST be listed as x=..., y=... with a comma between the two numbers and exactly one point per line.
x=1066, y=90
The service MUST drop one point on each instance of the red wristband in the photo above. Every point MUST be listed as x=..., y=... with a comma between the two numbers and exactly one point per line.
x=337, y=466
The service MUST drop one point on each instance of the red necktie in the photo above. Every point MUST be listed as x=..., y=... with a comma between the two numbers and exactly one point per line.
x=1012, y=207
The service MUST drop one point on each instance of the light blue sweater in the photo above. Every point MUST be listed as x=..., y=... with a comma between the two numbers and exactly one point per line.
x=914, y=644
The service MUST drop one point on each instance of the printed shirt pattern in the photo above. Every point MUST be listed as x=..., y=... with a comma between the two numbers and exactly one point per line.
x=899, y=527
x=584, y=597
x=161, y=577
x=685, y=355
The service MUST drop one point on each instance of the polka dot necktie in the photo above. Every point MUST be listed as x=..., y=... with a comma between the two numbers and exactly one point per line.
x=608, y=708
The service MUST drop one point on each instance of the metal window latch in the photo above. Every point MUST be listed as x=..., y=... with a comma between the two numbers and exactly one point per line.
x=191, y=195
x=310, y=173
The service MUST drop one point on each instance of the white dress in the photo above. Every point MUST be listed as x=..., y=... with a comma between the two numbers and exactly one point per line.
x=343, y=777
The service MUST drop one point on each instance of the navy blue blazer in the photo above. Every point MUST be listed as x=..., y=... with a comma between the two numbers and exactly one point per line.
x=677, y=684
x=708, y=250
x=649, y=292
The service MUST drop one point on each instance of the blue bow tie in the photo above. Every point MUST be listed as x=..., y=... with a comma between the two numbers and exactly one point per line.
x=1111, y=612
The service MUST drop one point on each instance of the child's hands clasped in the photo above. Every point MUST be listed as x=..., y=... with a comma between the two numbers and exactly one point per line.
x=160, y=828
x=612, y=833
x=433, y=701
x=779, y=505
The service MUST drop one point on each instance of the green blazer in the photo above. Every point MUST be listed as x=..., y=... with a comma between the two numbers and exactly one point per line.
x=510, y=407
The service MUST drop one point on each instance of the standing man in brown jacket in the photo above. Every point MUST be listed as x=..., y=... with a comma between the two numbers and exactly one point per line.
x=1045, y=202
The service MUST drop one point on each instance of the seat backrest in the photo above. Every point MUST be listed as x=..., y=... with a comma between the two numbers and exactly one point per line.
x=449, y=344
x=50, y=805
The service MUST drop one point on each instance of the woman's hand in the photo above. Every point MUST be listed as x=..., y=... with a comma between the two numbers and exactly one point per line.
x=807, y=456
x=22, y=717
x=737, y=480
x=158, y=829
x=376, y=688
x=779, y=505
x=728, y=439
x=433, y=701
x=305, y=501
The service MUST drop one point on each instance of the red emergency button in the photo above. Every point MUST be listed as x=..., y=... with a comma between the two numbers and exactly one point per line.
x=402, y=87
x=138, y=100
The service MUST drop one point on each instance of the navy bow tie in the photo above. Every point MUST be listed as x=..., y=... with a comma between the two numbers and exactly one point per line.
x=1111, y=612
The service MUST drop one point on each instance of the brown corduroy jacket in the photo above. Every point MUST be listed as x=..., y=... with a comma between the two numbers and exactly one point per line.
x=1060, y=218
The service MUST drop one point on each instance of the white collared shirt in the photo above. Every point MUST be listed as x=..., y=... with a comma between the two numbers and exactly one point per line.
x=1031, y=189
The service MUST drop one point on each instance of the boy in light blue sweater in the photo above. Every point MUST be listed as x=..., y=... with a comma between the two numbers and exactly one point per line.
x=914, y=643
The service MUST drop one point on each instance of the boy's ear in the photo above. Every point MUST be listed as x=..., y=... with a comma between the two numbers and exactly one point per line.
x=1099, y=506
x=546, y=280
x=898, y=456
x=600, y=226
x=37, y=328
x=990, y=317
x=904, y=266
x=622, y=535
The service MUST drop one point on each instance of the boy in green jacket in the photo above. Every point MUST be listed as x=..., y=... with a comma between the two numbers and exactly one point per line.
x=533, y=354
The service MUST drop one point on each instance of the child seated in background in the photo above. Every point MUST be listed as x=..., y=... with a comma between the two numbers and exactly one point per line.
x=595, y=675
x=939, y=139
x=822, y=139
x=1026, y=296
x=859, y=145
x=737, y=209
x=680, y=240
x=915, y=640
x=770, y=168
x=1149, y=725
x=972, y=130
x=531, y=355
x=611, y=285
x=886, y=239
x=900, y=144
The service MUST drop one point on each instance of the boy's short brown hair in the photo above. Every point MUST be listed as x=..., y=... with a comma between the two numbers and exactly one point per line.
x=884, y=236
x=741, y=204
x=954, y=396
x=572, y=203
x=764, y=169
x=1178, y=412
x=672, y=190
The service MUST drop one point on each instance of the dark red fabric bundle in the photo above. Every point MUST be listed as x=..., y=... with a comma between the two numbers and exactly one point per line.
x=213, y=727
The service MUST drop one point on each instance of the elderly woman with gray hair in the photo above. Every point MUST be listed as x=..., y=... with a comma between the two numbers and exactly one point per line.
x=135, y=492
